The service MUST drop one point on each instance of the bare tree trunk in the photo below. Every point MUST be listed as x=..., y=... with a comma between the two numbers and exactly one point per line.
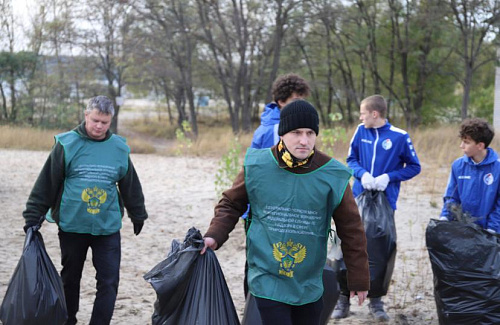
x=368, y=13
x=467, y=88
x=281, y=19
x=4, y=103
x=109, y=40
x=475, y=20
x=13, y=106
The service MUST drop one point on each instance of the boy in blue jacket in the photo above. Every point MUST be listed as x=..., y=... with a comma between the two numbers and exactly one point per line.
x=381, y=156
x=286, y=88
x=474, y=181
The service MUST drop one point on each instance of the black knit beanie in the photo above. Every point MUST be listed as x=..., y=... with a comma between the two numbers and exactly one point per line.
x=298, y=114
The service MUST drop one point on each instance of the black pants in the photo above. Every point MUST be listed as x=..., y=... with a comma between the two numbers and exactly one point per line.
x=245, y=279
x=106, y=255
x=274, y=312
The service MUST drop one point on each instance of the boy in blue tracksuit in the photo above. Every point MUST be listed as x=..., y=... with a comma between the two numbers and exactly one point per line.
x=384, y=153
x=381, y=156
x=474, y=181
x=286, y=88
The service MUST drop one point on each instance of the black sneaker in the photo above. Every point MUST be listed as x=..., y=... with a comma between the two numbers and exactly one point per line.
x=376, y=306
x=341, y=308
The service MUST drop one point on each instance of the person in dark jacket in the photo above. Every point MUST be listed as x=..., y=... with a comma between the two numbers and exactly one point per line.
x=84, y=186
x=286, y=88
x=294, y=191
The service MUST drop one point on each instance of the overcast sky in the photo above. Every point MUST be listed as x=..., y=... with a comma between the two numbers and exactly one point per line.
x=22, y=7
x=22, y=11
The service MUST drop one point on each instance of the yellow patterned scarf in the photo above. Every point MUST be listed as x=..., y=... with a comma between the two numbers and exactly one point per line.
x=288, y=158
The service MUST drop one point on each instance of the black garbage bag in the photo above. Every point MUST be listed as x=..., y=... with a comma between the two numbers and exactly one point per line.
x=330, y=296
x=465, y=262
x=35, y=293
x=380, y=229
x=191, y=288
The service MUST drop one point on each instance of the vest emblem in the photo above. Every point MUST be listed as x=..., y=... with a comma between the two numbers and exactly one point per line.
x=289, y=255
x=94, y=197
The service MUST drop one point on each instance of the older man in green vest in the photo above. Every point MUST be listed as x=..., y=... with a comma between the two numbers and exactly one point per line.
x=294, y=190
x=84, y=186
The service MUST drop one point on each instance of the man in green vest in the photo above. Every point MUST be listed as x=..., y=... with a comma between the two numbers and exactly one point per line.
x=86, y=182
x=294, y=191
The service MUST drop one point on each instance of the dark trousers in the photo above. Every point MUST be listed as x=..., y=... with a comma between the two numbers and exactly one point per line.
x=245, y=279
x=274, y=312
x=106, y=255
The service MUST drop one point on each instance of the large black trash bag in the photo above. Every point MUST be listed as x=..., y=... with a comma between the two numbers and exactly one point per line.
x=330, y=296
x=465, y=262
x=35, y=294
x=380, y=229
x=191, y=288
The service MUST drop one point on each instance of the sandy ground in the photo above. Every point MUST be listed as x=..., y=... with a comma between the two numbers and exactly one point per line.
x=180, y=194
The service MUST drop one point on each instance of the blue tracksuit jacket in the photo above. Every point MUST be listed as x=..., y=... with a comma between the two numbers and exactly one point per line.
x=384, y=150
x=266, y=134
x=476, y=187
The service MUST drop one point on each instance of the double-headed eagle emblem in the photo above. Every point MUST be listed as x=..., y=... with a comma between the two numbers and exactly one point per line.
x=288, y=255
x=94, y=197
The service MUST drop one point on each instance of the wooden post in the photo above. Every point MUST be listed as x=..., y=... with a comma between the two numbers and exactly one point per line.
x=496, y=103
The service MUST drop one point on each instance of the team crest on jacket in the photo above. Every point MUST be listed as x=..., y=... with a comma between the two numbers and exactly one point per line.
x=488, y=179
x=94, y=197
x=288, y=255
x=387, y=144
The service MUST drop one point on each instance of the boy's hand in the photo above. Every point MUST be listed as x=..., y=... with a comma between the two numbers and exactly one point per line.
x=381, y=182
x=368, y=181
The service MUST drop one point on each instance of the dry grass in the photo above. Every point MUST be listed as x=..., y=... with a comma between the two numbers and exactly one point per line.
x=13, y=137
x=437, y=146
x=214, y=140
x=140, y=146
x=26, y=138
x=151, y=126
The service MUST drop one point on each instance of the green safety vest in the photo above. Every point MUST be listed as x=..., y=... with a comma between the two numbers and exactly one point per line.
x=291, y=219
x=90, y=201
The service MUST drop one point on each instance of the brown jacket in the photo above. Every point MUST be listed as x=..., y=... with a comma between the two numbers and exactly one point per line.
x=346, y=217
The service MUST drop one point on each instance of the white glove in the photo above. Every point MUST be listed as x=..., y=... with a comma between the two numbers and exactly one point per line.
x=368, y=181
x=491, y=231
x=381, y=182
x=443, y=218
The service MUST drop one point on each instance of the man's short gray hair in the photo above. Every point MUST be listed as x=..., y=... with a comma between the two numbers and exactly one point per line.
x=101, y=103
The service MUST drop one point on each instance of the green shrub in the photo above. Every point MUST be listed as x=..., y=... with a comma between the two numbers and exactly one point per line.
x=229, y=166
